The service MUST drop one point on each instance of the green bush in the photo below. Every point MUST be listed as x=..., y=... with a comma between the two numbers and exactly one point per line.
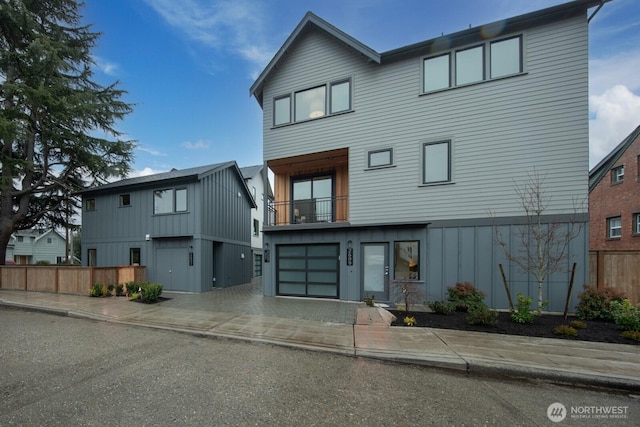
x=565, y=330
x=96, y=290
x=119, y=289
x=151, y=291
x=464, y=295
x=523, y=313
x=440, y=307
x=577, y=324
x=481, y=314
x=625, y=315
x=595, y=302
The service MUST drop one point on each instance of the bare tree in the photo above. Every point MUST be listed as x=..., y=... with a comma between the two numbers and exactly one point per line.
x=543, y=246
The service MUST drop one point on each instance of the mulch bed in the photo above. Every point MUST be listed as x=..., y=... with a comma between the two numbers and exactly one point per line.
x=543, y=326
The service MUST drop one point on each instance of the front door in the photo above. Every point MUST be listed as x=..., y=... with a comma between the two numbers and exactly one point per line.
x=375, y=271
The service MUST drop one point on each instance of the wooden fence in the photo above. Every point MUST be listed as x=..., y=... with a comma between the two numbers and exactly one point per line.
x=66, y=279
x=616, y=269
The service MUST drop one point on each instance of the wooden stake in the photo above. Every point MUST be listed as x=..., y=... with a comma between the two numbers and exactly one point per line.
x=566, y=303
x=506, y=286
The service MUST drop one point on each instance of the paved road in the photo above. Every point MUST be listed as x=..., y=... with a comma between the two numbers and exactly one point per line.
x=70, y=372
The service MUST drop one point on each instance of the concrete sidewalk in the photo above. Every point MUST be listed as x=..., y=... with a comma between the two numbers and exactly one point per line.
x=243, y=313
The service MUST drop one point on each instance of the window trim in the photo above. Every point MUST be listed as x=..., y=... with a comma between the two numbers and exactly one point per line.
x=131, y=256
x=423, y=62
x=328, y=112
x=174, y=201
x=380, y=166
x=636, y=224
x=256, y=227
x=395, y=260
x=616, y=177
x=610, y=228
x=121, y=200
x=449, y=179
x=486, y=66
x=90, y=204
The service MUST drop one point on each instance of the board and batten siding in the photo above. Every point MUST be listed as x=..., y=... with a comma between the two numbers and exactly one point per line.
x=501, y=131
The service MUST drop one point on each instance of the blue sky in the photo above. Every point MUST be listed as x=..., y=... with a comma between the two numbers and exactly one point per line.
x=188, y=64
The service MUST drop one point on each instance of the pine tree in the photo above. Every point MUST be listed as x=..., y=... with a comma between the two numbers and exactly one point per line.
x=50, y=113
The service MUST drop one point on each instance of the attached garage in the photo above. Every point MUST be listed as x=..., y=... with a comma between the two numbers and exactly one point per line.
x=308, y=270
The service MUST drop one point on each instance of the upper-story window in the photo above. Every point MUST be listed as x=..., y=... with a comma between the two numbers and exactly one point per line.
x=380, y=158
x=90, y=204
x=436, y=162
x=636, y=223
x=169, y=201
x=125, y=200
x=468, y=65
x=614, y=227
x=313, y=103
x=617, y=174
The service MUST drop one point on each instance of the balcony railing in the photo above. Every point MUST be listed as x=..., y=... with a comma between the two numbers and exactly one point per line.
x=308, y=211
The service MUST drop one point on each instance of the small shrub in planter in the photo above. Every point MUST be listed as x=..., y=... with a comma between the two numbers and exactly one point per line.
x=369, y=301
x=523, y=313
x=578, y=324
x=151, y=292
x=565, y=330
x=409, y=320
x=631, y=335
x=119, y=289
x=464, y=295
x=595, y=303
x=96, y=290
x=625, y=315
x=440, y=307
x=481, y=314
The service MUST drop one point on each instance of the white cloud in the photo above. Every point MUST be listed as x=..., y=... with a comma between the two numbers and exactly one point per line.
x=144, y=172
x=198, y=145
x=615, y=114
x=233, y=25
x=109, y=68
x=150, y=151
x=621, y=69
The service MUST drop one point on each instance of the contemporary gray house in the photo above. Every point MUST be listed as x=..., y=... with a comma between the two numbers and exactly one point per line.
x=397, y=165
x=256, y=185
x=190, y=227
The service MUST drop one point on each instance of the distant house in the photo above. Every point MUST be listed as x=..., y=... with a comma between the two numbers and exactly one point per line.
x=396, y=166
x=189, y=227
x=614, y=198
x=256, y=185
x=33, y=246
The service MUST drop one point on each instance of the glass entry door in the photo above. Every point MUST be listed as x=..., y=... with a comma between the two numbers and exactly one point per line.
x=375, y=271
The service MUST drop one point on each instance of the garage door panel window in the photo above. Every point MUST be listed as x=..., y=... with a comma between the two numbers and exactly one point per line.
x=308, y=270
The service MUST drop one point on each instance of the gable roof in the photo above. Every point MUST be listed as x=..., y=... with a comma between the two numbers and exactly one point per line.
x=308, y=21
x=600, y=170
x=194, y=173
x=249, y=172
x=517, y=23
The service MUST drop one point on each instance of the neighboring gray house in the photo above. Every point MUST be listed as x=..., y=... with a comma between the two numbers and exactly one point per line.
x=256, y=185
x=396, y=165
x=33, y=246
x=189, y=227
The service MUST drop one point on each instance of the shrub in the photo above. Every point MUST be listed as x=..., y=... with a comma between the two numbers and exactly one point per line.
x=631, y=335
x=625, y=315
x=408, y=291
x=409, y=320
x=577, y=324
x=595, y=302
x=440, y=307
x=565, y=330
x=463, y=295
x=96, y=290
x=148, y=292
x=369, y=301
x=119, y=289
x=523, y=312
x=480, y=314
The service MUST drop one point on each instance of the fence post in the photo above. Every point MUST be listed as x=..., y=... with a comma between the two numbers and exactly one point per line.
x=600, y=269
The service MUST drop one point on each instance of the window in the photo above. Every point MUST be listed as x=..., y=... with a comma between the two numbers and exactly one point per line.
x=470, y=65
x=636, y=223
x=253, y=193
x=282, y=111
x=92, y=257
x=340, y=96
x=90, y=204
x=256, y=227
x=312, y=199
x=134, y=256
x=506, y=58
x=309, y=104
x=407, y=260
x=125, y=200
x=436, y=73
x=169, y=201
x=20, y=239
x=473, y=64
x=257, y=265
x=49, y=241
x=614, y=226
x=617, y=174
x=436, y=162
x=380, y=158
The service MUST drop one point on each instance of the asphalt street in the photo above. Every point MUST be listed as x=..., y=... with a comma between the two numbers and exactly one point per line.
x=61, y=371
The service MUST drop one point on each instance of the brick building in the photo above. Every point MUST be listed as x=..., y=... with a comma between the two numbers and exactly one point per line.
x=614, y=198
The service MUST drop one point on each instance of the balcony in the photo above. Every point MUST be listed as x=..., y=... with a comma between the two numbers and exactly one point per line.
x=308, y=211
